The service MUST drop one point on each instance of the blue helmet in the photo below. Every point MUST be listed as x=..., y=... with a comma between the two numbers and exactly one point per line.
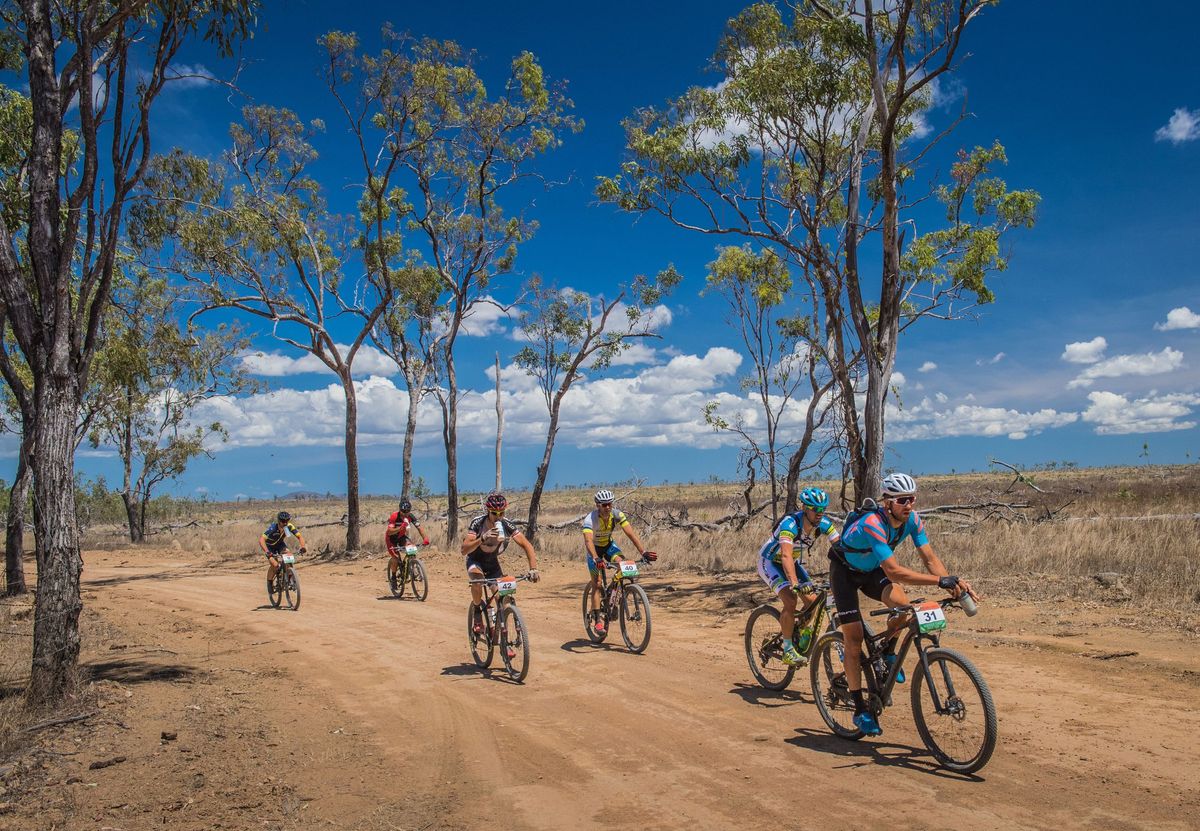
x=814, y=498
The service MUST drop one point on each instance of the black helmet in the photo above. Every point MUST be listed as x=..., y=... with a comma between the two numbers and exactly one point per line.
x=405, y=505
x=284, y=516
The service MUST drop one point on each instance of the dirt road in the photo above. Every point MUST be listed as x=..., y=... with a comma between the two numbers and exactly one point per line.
x=362, y=711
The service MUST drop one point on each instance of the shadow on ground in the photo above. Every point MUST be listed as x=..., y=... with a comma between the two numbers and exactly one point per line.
x=875, y=752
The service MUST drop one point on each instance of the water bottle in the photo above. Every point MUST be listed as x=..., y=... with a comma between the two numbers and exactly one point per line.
x=804, y=638
x=968, y=604
x=500, y=531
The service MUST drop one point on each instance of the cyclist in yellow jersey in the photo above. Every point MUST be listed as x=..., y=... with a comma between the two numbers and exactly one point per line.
x=598, y=527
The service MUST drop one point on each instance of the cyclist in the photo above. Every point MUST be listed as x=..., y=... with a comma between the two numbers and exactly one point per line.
x=396, y=535
x=781, y=561
x=598, y=544
x=863, y=559
x=273, y=542
x=488, y=536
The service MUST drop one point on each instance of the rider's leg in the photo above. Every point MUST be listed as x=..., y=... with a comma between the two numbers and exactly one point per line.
x=272, y=567
x=787, y=618
x=894, y=595
x=393, y=562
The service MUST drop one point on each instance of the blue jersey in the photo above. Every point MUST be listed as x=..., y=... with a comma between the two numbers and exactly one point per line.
x=791, y=528
x=870, y=539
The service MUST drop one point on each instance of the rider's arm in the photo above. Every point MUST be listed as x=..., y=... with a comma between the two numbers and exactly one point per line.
x=520, y=540
x=424, y=536
x=471, y=542
x=627, y=527
x=899, y=574
x=590, y=544
x=300, y=539
x=786, y=561
x=262, y=543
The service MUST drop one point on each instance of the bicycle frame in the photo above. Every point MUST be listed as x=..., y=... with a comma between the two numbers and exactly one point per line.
x=922, y=641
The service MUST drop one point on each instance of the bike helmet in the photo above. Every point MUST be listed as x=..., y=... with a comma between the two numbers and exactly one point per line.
x=405, y=505
x=814, y=498
x=283, y=516
x=604, y=495
x=899, y=484
x=496, y=501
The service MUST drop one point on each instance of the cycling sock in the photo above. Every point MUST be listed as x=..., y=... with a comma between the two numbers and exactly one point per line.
x=860, y=703
x=787, y=644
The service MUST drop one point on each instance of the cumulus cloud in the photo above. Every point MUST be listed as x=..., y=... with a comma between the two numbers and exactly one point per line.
x=689, y=372
x=1181, y=318
x=1115, y=414
x=287, y=484
x=995, y=359
x=1152, y=363
x=928, y=366
x=368, y=361
x=1184, y=126
x=898, y=379
x=929, y=419
x=1085, y=352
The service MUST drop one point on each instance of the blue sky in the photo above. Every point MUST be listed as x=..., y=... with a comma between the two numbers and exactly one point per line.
x=1091, y=353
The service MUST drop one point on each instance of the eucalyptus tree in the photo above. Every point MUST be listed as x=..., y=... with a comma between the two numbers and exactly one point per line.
x=157, y=373
x=464, y=154
x=811, y=145
x=94, y=69
x=255, y=235
x=569, y=333
x=754, y=286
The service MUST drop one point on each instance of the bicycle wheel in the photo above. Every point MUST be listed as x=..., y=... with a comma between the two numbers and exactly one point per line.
x=635, y=618
x=396, y=581
x=514, y=643
x=962, y=736
x=590, y=617
x=275, y=589
x=764, y=649
x=416, y=574
x=481, y=645
x=829, y=687
x=291, y=586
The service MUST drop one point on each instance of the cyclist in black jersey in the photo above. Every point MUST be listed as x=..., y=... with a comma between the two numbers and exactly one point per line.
x=273, y=542
x=488, y=536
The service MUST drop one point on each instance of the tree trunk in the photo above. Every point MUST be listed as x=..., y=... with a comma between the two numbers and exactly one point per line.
x=499, y=424
x=352, y=512
x=450, y=434
x=14, y=534
x=137, y=531
x=410, y=436
x=535, y=499
x=56, y=617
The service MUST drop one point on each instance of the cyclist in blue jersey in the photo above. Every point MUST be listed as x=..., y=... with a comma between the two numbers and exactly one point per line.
x=781, y=561
x=864, y=559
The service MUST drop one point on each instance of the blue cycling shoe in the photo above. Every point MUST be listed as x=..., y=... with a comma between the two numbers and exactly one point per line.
x=867, y=724
x=900, y=676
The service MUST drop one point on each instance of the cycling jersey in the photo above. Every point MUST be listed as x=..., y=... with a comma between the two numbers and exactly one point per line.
x=602, y=529
x=477, y=527
x=275, y=534
x=870, y=539
x=398, y=527
x=791, y=528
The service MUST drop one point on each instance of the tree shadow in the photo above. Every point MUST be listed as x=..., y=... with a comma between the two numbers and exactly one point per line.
x=762, y=697
x=878, y=752
x=136, y=671
x=120, y=580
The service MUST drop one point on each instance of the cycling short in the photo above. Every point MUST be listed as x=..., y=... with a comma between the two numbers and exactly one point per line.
x=276, y=550
x=396, y=546
x=846, y=583
x=606, y=551
x=490, y=566
x=772, y=574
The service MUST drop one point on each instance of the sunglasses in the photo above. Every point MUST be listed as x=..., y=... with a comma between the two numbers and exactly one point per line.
x=906, y=500
x=496, y=513
x=604, y=504
x=817, y=511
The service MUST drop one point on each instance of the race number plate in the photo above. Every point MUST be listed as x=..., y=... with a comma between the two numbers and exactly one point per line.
x=289, y=558
x=830, y=602
x=930, y=617
x=629, y=569
x=410, y=550
x=506, y=586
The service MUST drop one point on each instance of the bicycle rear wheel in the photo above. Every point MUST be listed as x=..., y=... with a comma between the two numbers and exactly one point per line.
x=635, y=618
x=962, y=736
x=829, y=687
x=590, y=617
x=291, y=587
x=275, y=589
x=420, y=585
x=764, y=649
x=514, y=643
x=482, y=647
x=396, y=581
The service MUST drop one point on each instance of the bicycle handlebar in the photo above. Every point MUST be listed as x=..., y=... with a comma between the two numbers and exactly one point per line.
x=494, y=580
x=896, y=611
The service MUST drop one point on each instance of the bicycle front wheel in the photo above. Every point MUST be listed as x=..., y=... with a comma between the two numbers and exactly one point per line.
x=291, y=587
x=396, y=580
x=420, y=585
x=275, y=589
x=829, y=687
x=764, y=649
x=954, y=712
x=635, y=618
x=514, y=643
x=481, y=644
x=590, y=617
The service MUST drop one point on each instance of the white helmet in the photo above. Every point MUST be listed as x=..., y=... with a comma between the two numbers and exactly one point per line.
x=899, y=484
x=604, y=495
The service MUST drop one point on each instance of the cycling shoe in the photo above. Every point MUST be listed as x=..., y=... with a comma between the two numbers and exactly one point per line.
x=867, y=724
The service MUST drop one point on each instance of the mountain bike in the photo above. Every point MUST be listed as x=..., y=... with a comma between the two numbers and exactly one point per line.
x=764, y=641
x=409, y=571
x=951, y=703
x=286, y=583
x=502, y=626
x=621, y=599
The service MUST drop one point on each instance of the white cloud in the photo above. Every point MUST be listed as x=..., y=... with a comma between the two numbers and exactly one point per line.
x=189, y=76
x=995, y=359
x=1181, y=318
x=928, y=366
x=1116, y=415
x=636, y=353
x=368, y=361
x=898, y=379
x=927, y=421
x=1183, y=126
x=689, y=372
x=1085, y=352
x=287, y=484
x=202, y=489
x=1152, y=363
